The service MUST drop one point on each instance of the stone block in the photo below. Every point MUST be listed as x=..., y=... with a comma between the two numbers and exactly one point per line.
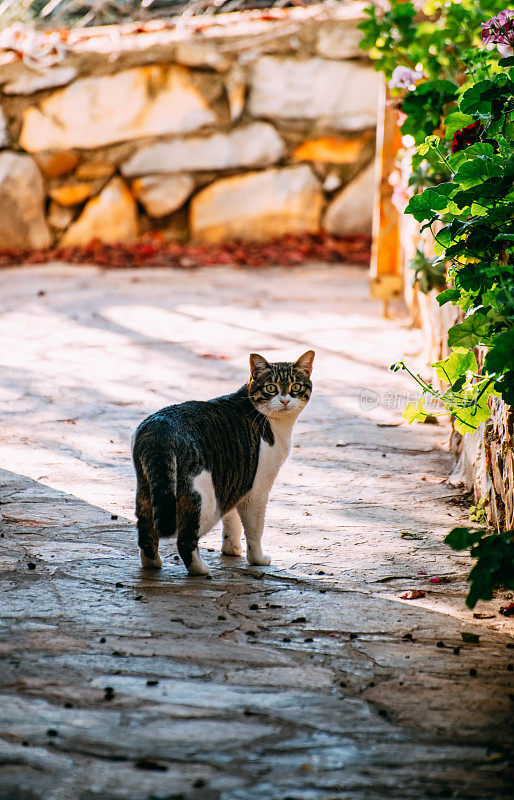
x=196, y=54
x=339, y=40
x=93, y=112
x=53, y=165
x=22, y=196
x=110, y=217
x=30, y=81
x=59, y=217
x=341, y=95
x=235, y=88
x=94, y=170
x=71, y=194
x=255, y=145
x=258, y=205
x=351, y=211
x=4, y=132
x=333, y=149
x=163, y=194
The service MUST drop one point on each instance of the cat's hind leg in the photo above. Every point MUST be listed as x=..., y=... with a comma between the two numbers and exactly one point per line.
x=252, y=516
x=148, y=539
x=188, y=524
x=231, y=534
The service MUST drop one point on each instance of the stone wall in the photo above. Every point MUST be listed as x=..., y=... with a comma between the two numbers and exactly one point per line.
x=248, y=125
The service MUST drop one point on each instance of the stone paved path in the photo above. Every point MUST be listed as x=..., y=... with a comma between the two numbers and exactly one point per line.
x=307, y=680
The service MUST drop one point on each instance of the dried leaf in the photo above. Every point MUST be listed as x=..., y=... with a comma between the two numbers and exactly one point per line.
x=414, y=594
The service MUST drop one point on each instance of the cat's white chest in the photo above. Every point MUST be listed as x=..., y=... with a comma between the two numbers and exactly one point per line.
x=271, y=458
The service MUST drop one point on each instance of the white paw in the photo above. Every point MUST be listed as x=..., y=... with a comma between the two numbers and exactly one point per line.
x=229, y=549
x=150, y=563
x=259, y=559
x=198, y=565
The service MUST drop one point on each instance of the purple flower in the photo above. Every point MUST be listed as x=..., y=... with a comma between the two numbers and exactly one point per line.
x=404, y=78
x=499, y=30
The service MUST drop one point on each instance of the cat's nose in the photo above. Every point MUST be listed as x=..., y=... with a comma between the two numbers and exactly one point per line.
x=284, y=401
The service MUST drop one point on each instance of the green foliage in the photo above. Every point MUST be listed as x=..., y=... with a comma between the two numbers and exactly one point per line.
x=396, y=37
x=428, y=274
x=461, y=117
x=494, y=554
x=456, y=122
x=477, y=513
x=474, y=215
x=424, y=108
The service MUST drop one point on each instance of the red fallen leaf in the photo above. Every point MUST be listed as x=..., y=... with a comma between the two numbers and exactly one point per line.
x=214, y=356
x=435, y=580
x=422, y=573
x=507, y=611
x=152, y=250
x=414, y=594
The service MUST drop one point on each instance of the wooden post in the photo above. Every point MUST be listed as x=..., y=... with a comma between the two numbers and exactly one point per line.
x=385, y=270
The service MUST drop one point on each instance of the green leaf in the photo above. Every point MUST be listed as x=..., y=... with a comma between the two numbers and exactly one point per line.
x=455, y=366
x=415, y=412
x=448, y=295
x=477, y=99
x=473, y=173
x=460, y=539
x=479, y=210
x=478, y=149
x=456, y=122
x=428, y=203
x=505, y=387
x=469, y=418
x=470, y=332
x=444, y=237
x=500, y=356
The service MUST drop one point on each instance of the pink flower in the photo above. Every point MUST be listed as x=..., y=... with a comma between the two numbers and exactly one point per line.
x=404, y=78
x=499, y=30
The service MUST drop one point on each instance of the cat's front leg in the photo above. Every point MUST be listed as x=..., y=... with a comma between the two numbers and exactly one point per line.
x=252, y=516
x=231, y=534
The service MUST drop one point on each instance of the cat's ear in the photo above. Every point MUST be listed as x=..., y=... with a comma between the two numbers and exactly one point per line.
x=258, y=364
x=304, y=363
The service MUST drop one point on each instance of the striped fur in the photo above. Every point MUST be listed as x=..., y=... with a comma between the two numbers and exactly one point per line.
x=201, y=461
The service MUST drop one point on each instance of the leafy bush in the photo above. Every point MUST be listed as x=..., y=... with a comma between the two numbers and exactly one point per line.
x=459, y=107
x=472, y=218
x=436, y=43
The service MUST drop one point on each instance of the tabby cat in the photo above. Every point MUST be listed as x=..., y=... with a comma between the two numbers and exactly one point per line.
x=199, y=462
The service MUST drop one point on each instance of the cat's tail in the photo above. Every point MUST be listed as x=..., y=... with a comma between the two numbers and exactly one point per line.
x=163, y=493
x=157, y=473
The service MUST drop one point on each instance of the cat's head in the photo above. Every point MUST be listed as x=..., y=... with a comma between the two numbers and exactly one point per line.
x=282, y=388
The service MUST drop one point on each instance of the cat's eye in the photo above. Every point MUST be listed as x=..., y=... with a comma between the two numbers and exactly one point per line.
x=270, y=388
x=296, y=387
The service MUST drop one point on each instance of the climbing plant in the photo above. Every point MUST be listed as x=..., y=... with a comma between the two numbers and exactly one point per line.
x=460, y=118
